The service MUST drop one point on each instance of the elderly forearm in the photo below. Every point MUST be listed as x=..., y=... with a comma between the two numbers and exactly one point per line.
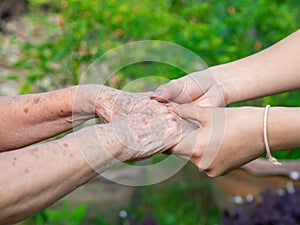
x=273, y=70
x=35, y=177
x=31, y=118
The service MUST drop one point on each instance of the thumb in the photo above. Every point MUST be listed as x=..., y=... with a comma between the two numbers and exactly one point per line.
x=167, y=91
x=190, y=111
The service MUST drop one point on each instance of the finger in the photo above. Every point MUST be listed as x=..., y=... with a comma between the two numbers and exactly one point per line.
x=158, y=99
x=167, y=91
x=190, y=111
x=190, y=147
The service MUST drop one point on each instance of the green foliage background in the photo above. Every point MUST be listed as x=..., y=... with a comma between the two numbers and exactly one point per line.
x=218, y=31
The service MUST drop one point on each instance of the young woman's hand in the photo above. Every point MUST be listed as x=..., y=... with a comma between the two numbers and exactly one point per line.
x=200, y=88
x=227, y=137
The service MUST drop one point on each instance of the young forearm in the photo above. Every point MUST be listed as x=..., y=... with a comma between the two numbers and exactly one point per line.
x=273, y=70
x=31, y=118
x=35, y=177
x=237, y=137
x=284, y=128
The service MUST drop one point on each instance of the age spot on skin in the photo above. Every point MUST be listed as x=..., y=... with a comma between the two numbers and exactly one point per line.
x=34, y=153
x=37, y=100
x=14, y=161
x=66, y=145
x=26, y=170
x=26, y=110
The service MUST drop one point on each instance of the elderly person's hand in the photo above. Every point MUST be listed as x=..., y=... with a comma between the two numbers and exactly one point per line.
x=78, y=157
x=150, y=129
x=113, y=104
x=105, y=102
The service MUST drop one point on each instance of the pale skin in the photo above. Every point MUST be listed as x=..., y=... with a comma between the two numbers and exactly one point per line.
x=47, y=164
x=240, y=140
x=273, y=70
x=31, y=177
x=41, y=116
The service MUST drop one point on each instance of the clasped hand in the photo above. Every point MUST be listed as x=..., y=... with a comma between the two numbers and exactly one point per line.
x=185, y=117
x=142, y=126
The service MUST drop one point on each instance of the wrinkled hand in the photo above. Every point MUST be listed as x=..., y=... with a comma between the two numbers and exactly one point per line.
x=200, y=88
x=152, y=128
x=137, y=127
x=227, y=138
x=112, y=104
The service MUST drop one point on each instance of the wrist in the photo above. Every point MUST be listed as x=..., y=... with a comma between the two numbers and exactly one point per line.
x=99, y=147
x=273, y=128
x=238, y=80
x=84, y=100
x=245, y=124
x=253, y=121
x=221, y=74
x=283, y=128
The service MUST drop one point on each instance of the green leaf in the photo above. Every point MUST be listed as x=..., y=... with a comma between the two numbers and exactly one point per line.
x=12, y=76
x=78, y=214
x=26, y=88
x=53, y=215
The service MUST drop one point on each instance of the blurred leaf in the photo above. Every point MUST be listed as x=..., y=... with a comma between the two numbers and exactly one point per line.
x=12, y=77
x=26, y=88
x=78, y=214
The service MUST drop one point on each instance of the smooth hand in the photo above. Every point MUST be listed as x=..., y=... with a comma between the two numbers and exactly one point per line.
x=227, y=137
x=200, y=88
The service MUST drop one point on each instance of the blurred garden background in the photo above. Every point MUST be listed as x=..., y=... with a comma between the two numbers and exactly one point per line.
x=52, y=43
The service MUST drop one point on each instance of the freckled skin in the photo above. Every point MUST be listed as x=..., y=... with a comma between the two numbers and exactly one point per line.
x=113, y=104
x=51, y=170
x=37, y=100
x=50, y=114
x=26, y=110
x=54, y=112
x=139, y=128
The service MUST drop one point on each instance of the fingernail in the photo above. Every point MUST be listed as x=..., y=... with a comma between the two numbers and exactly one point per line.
x=158, y=97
